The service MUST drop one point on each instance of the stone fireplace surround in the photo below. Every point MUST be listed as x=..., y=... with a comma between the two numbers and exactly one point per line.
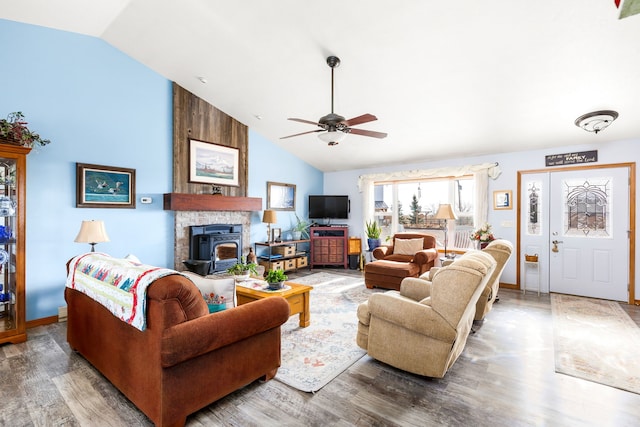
x=183, y=219
x=204, y=209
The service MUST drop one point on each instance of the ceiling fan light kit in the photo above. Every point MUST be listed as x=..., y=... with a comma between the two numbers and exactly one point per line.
x=332, y=137
x=596, y=120
x=334, y=127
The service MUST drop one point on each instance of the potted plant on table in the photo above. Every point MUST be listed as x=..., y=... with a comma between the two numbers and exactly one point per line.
x=300, y=230
x=242, y=270
x=373, y=230
x=14, y=130
x=275, y=279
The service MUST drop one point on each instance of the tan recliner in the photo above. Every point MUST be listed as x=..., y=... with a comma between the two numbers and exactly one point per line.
x=423, y=328
x=501, y=251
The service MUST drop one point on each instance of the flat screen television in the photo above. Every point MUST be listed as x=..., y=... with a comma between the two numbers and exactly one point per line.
x=328, y=207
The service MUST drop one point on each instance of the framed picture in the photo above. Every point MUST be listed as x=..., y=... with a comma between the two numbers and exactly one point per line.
x=281, y=197
x=105, y=186
x=502, y=199
x=276, y=235
x=212, y=163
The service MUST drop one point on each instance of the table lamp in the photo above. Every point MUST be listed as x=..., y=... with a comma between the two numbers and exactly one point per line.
x=92, y=232
x=445, y=211
x=269, y=217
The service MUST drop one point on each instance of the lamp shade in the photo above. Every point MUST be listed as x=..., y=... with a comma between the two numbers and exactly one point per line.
x=92, y=232
x=269, y=216
x=445, y=211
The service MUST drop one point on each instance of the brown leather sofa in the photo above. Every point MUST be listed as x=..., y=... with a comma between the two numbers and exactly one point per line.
x=391, y=267
x=186, y=358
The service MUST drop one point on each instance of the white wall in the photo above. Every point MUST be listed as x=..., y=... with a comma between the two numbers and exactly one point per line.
x=510, y=163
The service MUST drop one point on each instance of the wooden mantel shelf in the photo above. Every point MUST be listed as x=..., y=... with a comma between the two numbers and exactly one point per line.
x=210, y=202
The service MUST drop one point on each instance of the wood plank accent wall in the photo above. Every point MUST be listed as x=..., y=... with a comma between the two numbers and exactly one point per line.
x=197, y=119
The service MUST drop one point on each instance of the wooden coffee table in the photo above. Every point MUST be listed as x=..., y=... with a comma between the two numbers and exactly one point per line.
x=297, y=297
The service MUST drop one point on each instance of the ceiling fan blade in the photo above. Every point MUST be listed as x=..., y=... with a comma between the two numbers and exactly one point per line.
x=365, y=118
x=305, y=121
x=371, y=133
x=303, y=133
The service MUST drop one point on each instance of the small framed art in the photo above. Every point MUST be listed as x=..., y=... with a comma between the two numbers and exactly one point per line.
x=276, y=235
x=281, y=197
x=105, y=186
x=212, y=163
x=502, y=199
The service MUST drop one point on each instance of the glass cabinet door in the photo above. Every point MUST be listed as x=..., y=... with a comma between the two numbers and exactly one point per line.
x=8, y=203
x=12, y=227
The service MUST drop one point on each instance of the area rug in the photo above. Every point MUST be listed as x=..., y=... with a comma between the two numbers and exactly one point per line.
x=313, y=356
x=597, y=341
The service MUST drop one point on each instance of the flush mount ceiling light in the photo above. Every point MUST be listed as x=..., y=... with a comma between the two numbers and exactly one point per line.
x=597, y=120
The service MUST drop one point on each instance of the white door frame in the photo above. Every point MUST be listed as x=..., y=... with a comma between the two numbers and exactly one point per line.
x=631, y=224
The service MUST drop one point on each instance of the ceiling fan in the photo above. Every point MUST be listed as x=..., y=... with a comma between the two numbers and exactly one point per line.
x=333, y=126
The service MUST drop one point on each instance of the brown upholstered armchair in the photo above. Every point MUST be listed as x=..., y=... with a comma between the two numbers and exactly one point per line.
x=409, y=255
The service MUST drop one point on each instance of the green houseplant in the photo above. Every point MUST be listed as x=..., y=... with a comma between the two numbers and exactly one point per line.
x=300, y=230
x=373, y=230
x=14, y=130
x=242, y=270
x=275, y=279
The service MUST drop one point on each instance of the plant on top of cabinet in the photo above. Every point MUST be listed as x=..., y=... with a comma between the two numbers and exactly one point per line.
x=14, y=129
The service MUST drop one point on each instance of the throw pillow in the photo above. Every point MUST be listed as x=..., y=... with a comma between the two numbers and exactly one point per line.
x=218, y=291
x=407, y=246
x=134, y=259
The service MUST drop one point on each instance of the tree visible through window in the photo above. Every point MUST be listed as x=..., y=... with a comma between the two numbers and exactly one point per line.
x=422, y=199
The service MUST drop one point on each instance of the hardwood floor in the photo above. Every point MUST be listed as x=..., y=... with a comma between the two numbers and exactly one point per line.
x=504, y=377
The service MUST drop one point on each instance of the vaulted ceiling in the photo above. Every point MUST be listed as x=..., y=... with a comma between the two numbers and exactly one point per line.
x=445, y=79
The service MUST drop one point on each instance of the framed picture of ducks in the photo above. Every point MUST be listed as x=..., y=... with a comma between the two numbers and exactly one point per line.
x=105, y=186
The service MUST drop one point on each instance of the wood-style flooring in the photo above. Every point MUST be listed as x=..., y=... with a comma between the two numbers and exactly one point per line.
x=504, y=377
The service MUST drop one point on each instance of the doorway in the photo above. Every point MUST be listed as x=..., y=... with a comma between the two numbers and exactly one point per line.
x=578, y=220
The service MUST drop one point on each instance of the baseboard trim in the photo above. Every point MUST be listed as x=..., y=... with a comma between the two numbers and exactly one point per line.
x=42, y=322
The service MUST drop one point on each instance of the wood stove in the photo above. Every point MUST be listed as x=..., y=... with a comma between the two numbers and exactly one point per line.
x=219, y=243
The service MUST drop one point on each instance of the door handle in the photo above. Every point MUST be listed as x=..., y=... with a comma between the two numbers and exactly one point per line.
x=555, y=245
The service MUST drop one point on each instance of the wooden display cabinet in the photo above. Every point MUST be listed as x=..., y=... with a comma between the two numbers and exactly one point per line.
x=13, y=167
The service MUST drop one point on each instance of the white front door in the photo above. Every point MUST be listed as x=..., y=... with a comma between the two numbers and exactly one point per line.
x=589, y=233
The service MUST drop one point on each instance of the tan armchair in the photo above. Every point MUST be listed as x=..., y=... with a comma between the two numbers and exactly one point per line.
x=501, y=251
x=400, y=259
x=423, y=328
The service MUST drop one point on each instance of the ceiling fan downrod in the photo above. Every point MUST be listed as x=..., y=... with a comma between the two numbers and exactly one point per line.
x=333, y=62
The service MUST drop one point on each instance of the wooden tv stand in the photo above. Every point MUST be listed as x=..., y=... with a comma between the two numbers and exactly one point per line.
x=328, y=246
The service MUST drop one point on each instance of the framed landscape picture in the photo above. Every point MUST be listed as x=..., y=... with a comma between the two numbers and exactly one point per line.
x=212, y=163
x=281, y=197
x=105, y=186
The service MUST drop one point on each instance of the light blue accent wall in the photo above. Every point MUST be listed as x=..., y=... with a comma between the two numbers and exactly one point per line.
x=269, y=162
x=99, y=106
